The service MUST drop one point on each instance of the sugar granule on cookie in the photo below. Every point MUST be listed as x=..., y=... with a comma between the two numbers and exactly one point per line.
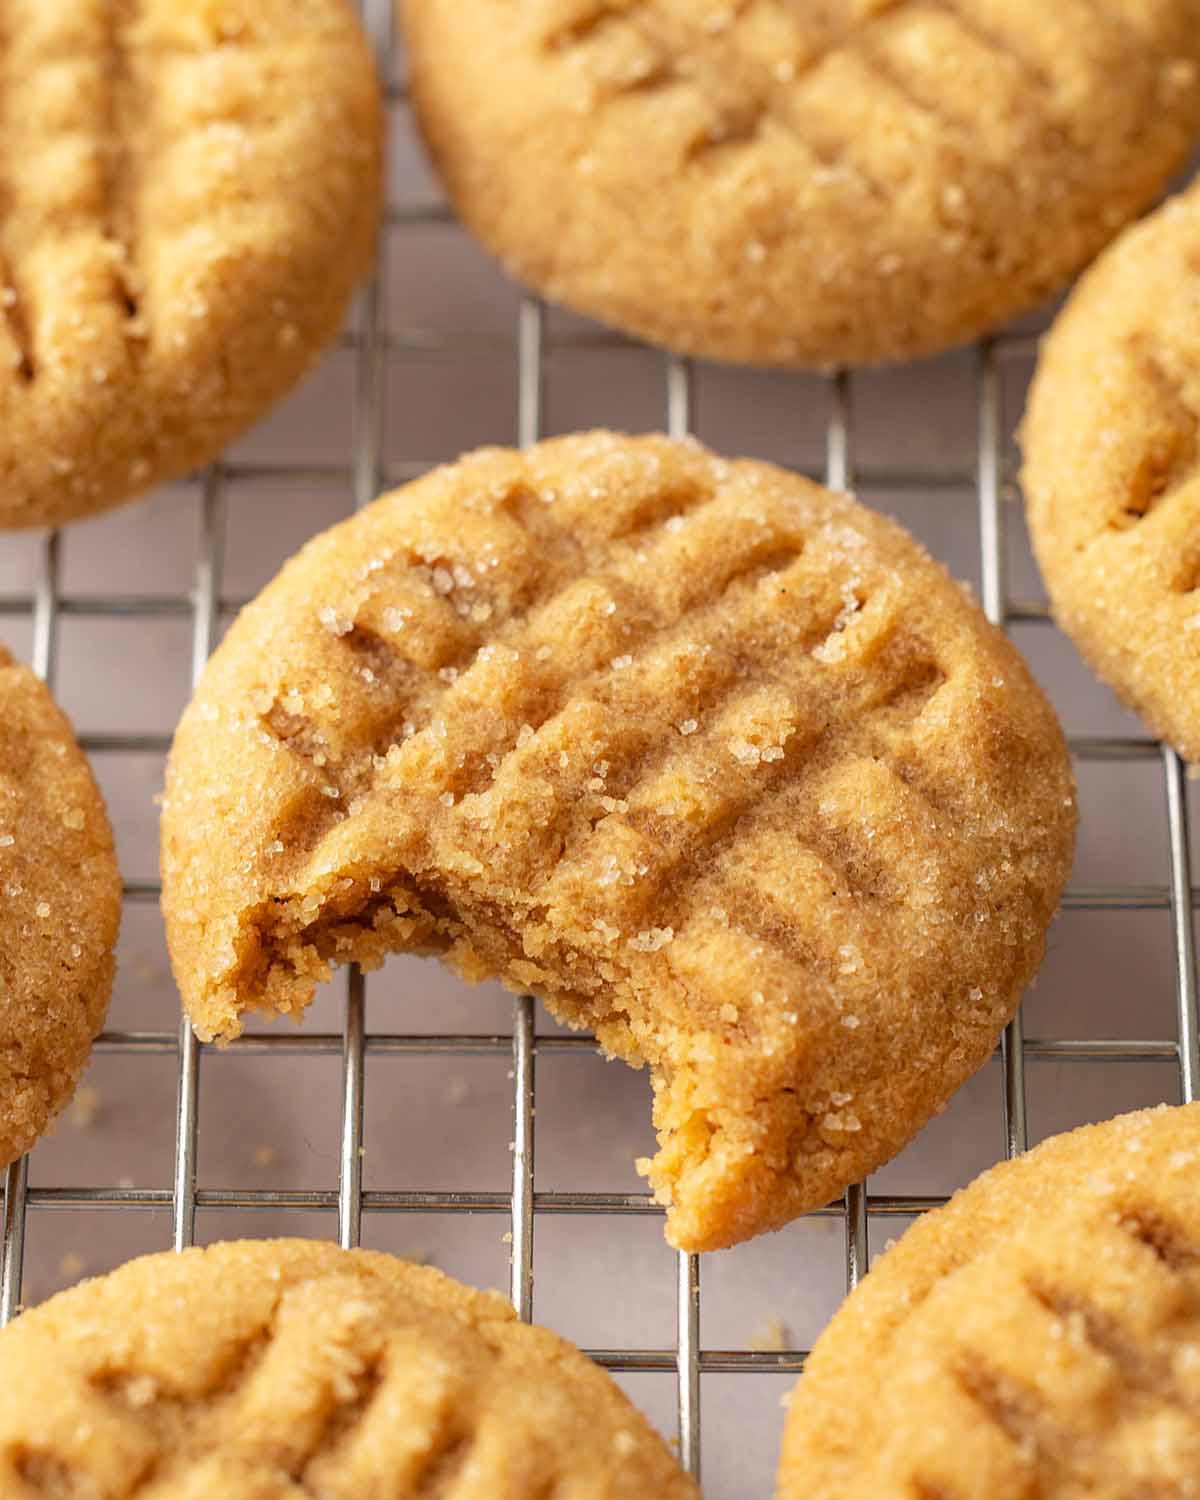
x=1037, y=1336
x=811, y=915
x=798, y=183
x=285, y=1367
x=190, y=193
x=1112, y=469
x=60, y=908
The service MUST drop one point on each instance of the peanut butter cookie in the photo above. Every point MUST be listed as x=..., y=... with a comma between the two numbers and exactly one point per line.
x=188, y=193
x=281, y=1368
x=1112, y=469
x=715, y=761
x=803, y=184
x=60, y=907
x=1038, y=1336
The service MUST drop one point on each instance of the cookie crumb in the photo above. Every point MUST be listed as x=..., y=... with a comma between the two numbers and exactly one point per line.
x=86, y=1107
x=72, y=1266
x=771, y=1337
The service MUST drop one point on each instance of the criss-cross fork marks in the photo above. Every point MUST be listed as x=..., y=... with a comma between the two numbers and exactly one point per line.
x=611, y=736
x=1157, y=505
x=112, y=124
x=758, y=69
x=251, y=1416
x=1168, y=1241
x=645, y=733
x=436, y=638
x=126, y=113
x=13, y=320
x=17, y=351
x=1171, y=461
x=1066, y=1445
x=331, y=1385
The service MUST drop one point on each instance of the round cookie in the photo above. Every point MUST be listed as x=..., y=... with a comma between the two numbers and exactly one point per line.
x=59, y=912
x=1040, y=1335
x=718, y=763
x=1112, y=469
x=803, y=184
x=189, y=191
x=273, y=1369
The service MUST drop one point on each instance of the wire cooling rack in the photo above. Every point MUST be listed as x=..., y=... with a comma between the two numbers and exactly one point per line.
x=372, y=343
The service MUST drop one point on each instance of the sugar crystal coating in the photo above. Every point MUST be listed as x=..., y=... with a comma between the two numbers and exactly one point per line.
x=800, y=183
x=281, y=1368
x=1112, y=468
x=778, y=905
x=1038, y=1336
x=60, y=910
x=190, y=192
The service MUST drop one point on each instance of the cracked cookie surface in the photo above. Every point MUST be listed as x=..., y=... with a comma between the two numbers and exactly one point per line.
x=60, y=907
x=803, y=184
x=1112, y=469
x=718, y=763
x=1038, y=1336
x=188, y=193
x=278, y=1369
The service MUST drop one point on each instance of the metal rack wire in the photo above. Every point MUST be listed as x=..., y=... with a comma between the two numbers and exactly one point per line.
x=372, y=342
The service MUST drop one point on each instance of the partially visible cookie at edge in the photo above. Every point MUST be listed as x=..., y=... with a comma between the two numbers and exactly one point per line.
x=717, y=762
x=1112, y=469
x=278, y=1368
x=190, y=192
x=802, y=184
x=60, y=908
x=1038, y=1336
